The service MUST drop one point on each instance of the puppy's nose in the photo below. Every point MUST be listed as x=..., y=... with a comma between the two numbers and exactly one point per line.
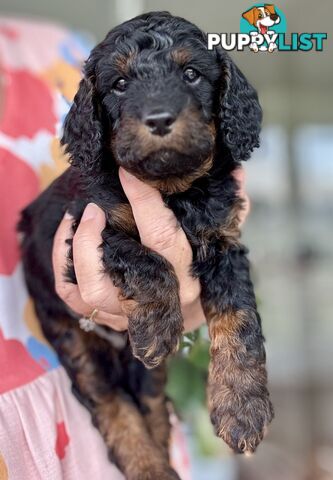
x=159, y=123
x=274, y=16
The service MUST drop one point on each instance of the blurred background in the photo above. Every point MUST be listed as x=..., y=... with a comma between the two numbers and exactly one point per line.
x=289, y=232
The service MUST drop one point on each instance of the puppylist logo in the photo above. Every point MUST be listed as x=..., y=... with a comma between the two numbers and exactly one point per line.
x=263, y=29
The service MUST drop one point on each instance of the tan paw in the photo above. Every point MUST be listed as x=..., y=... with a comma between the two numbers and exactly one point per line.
x=242, y=424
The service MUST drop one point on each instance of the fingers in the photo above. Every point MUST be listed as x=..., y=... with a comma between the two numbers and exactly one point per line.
x=68, y=292
x=86, y=259
x=95, y=286
x=116, y=322
x=159, y=230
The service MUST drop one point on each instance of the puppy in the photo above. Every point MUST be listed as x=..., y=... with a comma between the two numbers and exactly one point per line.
x=155, y=101
x=262, y=18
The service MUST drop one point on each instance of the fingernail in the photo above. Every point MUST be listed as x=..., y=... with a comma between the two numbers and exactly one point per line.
x=68, y=216
x=90, y=212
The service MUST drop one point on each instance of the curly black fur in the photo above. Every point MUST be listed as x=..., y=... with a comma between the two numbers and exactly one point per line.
x=215, y=124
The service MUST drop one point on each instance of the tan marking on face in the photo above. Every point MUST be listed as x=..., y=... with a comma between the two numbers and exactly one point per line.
x=123, y=63
x=181, y=184
x=181, y=56
x=176, y=140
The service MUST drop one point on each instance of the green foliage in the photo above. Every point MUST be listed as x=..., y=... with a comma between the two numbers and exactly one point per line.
x=188, y=372
x=187, y=388
x=207, y=444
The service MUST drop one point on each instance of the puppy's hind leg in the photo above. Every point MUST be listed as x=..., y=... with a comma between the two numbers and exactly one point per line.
x=88, y=362
x=154, y=406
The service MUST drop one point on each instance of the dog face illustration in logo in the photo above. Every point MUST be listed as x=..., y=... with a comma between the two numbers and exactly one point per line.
x=262, y=18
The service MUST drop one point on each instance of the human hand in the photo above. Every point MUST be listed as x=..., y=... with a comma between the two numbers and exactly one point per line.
x=158, y=229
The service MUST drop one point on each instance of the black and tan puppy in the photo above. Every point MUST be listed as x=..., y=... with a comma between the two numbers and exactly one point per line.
x=155, y=101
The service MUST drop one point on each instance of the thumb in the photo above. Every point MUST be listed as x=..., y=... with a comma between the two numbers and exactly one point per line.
x=156, y=223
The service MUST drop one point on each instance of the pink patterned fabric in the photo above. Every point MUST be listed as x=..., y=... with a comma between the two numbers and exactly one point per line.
x=47, y=435
x=44, y=432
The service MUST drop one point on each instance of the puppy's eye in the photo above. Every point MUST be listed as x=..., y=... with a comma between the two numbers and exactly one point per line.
x=191, y=75
x=120, y=85
x=260, y=15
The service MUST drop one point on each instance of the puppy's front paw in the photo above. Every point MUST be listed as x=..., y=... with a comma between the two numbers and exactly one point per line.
x=155, y=331
x=241, y=420
x=254, y=47
x=272, y=47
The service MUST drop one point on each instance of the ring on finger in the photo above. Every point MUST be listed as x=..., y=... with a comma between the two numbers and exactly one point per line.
x=88, y=323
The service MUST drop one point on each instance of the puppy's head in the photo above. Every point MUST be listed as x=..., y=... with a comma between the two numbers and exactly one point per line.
x=158, y=103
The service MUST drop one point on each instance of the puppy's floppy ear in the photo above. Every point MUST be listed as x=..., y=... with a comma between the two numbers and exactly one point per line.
x=270, y=8
x=249, y=15
x=240, y=112
x=83, y=129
